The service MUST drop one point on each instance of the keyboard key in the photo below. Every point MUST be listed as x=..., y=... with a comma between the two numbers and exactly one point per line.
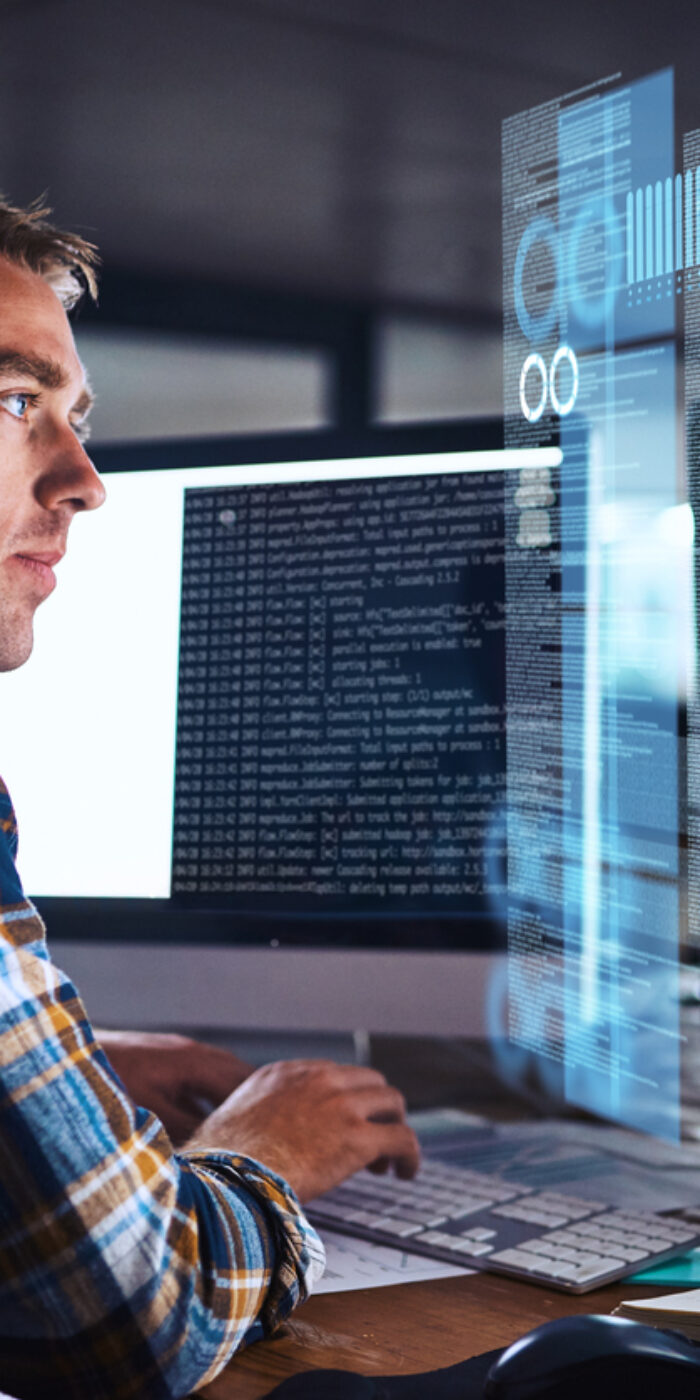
x=436, y=1237
x=468, y=1206
x=554, y=1251
x=679, y=1236
x=419, y=1217
x=567, y=1237
x=518, y=1259
x=560, y=1205
x=605, y=1266
x=472, y=1248
x=333, y=1210
x=529, y=1213
x=606, y=1262
x=540, y=1246
x=344, y=1196
x=370, y=1219
x=639, y=1242
x=538, y=1217
x=574, y=1203
x=558, y=1269
x=393, y=1226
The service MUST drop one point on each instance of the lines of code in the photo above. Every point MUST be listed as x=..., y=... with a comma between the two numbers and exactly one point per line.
x=340, y=732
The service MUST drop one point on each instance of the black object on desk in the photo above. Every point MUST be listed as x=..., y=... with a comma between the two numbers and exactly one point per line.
x=595, y=1358
x=574, y=1358
x=465, y=1381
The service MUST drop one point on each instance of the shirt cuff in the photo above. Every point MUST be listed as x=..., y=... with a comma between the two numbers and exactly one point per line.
x=299, y=1252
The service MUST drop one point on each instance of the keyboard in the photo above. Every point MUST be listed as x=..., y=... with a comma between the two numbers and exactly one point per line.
x=489, y=1222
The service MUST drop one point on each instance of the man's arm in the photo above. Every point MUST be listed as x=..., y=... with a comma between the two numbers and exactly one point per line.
x=125, y=1265
x=179, y=1079
x=268, y=1118
x=315, y=1122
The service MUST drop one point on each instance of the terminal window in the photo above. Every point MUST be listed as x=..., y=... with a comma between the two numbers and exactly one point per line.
x=340, y=727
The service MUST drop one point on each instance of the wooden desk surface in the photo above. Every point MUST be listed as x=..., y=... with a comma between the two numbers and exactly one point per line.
x=409, y=1328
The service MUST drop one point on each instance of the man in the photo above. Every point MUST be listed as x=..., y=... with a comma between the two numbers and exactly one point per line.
x=127, y=1269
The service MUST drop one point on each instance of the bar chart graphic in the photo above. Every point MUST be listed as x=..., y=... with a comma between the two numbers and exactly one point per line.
x=662, y=227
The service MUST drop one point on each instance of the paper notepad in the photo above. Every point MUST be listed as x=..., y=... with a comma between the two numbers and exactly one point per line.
x=679, y=1311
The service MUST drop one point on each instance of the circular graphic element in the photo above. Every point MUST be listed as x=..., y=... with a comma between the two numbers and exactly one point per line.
x=533, y=361
x=592, y=311
x=563, y=353
x=537, y=327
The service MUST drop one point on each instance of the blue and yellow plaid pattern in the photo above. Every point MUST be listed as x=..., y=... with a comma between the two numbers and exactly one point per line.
x=127, y=1270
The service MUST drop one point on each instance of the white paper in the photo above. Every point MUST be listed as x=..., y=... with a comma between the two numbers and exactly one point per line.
x=352, y=1263
x=681, y=1303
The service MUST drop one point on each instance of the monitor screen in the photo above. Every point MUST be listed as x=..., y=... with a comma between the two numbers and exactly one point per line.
x=279, y=688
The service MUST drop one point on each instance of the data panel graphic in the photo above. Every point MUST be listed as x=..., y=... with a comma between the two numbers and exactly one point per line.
x=599, y=244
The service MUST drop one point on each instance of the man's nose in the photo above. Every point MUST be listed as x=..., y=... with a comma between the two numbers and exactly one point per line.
x=70, y=479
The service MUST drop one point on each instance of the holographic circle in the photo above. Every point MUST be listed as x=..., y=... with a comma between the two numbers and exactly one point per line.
x=537, y=327
x=563, y=353
x=533, y=361
x=592, y=311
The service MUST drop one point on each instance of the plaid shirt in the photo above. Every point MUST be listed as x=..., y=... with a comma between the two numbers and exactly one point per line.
x=126, y=1269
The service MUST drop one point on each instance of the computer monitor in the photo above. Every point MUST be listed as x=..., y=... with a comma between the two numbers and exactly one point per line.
x=258, y=753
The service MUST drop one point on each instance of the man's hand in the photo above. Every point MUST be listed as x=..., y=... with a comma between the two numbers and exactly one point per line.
x=176, y=1078
x=314, y=1122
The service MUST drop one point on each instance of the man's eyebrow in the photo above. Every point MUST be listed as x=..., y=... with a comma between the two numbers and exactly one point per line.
x=47, y=373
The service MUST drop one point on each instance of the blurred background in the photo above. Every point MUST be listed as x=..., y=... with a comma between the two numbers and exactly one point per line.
x=297, y=201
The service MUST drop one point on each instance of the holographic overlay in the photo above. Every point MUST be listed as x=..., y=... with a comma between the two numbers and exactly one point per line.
x=598, y=596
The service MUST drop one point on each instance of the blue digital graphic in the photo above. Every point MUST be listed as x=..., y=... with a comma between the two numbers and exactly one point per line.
x=537, y=326
x=600, y=641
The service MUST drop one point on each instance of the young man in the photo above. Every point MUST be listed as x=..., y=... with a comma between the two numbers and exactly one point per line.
x=128, y=1269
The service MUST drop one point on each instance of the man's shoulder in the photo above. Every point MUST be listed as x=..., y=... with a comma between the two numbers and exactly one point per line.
x=13, y=902
x=8, y=821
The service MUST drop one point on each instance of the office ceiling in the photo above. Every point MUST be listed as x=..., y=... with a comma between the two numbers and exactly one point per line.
x=338, y=147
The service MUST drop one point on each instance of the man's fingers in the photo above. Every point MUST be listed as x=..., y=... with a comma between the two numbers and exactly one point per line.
x=380, y=1103
x=338, y=1076
x=397, y=1142
x=380, y=1166
x=359, y=1076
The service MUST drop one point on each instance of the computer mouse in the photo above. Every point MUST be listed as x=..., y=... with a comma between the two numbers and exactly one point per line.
x=595, y=1358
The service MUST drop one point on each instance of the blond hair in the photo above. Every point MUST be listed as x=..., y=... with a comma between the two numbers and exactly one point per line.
x=65, y=260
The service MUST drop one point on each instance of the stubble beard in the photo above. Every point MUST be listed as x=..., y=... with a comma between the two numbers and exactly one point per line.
x=16, y=635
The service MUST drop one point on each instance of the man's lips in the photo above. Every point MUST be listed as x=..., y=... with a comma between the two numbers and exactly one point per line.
x=34, y=556
x=39, y=564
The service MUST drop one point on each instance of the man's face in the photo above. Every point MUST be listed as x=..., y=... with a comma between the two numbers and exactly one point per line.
x=45, y=473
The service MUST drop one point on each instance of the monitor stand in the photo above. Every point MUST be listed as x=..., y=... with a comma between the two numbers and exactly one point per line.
x=263, y=1046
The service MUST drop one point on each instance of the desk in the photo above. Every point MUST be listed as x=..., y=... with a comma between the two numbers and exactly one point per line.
x=408, y=1328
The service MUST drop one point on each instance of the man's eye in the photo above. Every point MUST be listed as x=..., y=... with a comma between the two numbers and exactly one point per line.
x=17, y=404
